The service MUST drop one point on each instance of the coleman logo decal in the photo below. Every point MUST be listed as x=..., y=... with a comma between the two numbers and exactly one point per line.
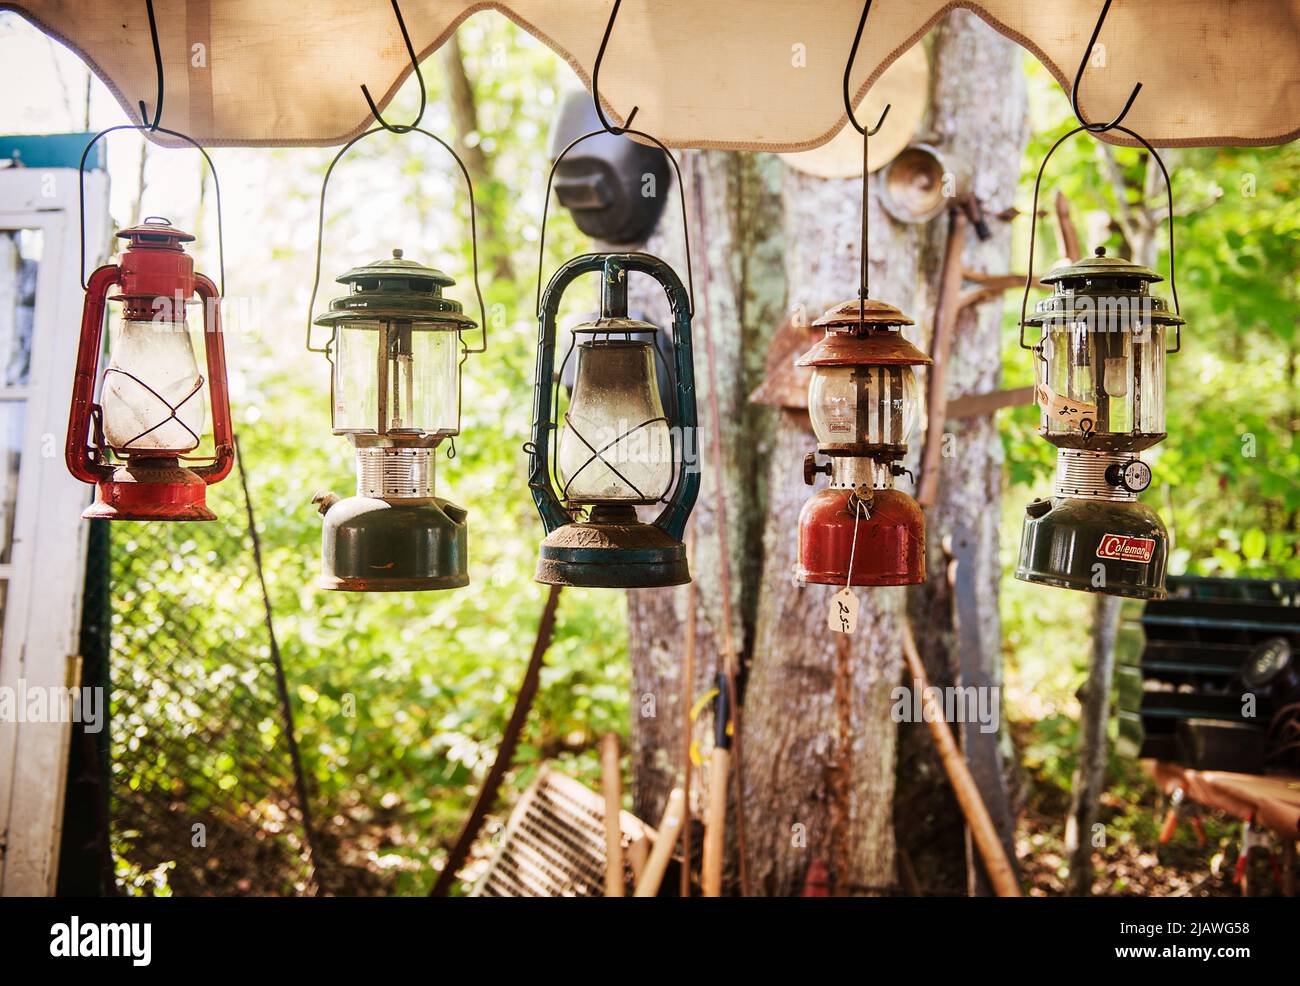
x=1121, y=547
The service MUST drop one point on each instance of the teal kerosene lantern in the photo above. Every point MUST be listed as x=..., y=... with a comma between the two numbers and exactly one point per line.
x=1100, y=363
x=613, y=449
x=395, y=394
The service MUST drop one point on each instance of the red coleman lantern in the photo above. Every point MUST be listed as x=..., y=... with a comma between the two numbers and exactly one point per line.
x=151, y=408
x=863, y=401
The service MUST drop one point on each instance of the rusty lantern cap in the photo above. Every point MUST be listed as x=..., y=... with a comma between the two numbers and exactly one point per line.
x=863, y=333
x=155, y=232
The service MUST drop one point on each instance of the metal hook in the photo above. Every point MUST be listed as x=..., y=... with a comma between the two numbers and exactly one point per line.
x=595, y=80
x=863, y=290
x=415, y=65
x=152, y=125
x=848, y=68
x=1097, y=128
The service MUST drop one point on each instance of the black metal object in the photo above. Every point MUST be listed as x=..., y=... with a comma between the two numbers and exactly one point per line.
x=1065, y=541
x=613, y=186
x=85, y=855
x=1199, y=663
x=419, y=76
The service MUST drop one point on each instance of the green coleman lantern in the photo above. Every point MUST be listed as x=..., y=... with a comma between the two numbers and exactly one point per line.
x=1100, y=364
x=395, y=393
x=613, y=447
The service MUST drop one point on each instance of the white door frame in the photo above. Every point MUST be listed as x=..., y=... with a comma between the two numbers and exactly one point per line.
x=42, y=614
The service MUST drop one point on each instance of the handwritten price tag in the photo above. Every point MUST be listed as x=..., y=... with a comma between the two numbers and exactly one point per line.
x=843, y=614
x=1076, y=415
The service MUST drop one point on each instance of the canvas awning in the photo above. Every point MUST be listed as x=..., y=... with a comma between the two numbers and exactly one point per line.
x=744, y=74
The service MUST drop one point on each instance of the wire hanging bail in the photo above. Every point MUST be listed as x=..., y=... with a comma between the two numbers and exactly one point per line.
x=623, y=131
x=147, y=126
x=867, y=133
x=1097, y=129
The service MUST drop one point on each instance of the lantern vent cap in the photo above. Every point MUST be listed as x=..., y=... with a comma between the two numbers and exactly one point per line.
x=397, y=288
x=882, y=344
x=614, y=325
x=1100, y=265
x=396, y=267
x=155, y=231
x=845, y=315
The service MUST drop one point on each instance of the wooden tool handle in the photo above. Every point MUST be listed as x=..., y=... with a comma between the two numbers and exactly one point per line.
x=670, y=826
x=611, y=783
x=715, y=823
x=982, y=830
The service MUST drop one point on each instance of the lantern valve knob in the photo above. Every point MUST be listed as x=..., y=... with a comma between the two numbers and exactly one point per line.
x=324, y=500
x=811, y=468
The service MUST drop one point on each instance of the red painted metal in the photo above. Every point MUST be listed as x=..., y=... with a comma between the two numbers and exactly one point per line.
x=890, y=542
x=152, y=269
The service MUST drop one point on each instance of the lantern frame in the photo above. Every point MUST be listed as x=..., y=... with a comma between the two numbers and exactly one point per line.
x=612, y=548
x=385, y=307
x=152, y=270
x=860, y=530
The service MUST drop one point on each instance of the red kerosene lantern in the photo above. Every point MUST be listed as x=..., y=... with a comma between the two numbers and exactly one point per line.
x=864, y=402
x=151, y=412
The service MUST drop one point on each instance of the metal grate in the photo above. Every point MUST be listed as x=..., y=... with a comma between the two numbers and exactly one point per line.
x=200, y=780
x=554, y=843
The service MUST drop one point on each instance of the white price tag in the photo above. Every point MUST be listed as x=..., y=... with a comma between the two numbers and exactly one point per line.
x=843, y=614
x=1077, y=415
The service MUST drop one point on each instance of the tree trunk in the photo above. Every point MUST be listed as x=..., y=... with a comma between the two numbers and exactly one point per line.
x=820, y=747
x=733, y=206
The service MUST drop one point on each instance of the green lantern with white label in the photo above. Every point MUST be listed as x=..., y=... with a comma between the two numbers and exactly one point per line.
x=1100, y=381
